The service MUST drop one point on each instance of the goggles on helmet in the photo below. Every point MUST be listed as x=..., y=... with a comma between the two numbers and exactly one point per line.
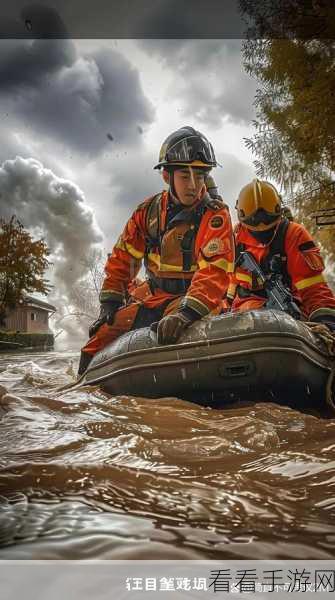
x=191, y=149
x=260, y=216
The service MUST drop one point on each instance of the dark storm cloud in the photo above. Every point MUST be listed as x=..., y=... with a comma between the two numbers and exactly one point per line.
x=114, y=19
x=184, y=19
x=76, y=100
x=128, y=182
x=209, y=78
x=28, y=63
x=53, y=208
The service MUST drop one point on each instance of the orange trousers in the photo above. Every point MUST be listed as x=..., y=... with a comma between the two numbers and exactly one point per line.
x=133, y=316
x=244, y=304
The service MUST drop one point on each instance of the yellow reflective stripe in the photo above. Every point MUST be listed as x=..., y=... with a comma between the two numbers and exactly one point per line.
x=243, y=277
x=202, y=263
x=304, y=283
x=231, y=292
x=155, y=258
x=221, y=263
x=131, y=250
x=120, y=245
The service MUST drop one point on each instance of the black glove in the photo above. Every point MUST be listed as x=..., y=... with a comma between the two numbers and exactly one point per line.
x=107, y=314
x=330, y=323
x=324, y=317
x=171, y=327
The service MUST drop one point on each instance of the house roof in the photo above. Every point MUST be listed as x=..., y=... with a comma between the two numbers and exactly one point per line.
x=36, y=303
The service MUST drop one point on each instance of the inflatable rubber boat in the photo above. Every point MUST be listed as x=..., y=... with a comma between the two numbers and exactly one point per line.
x=263, y=355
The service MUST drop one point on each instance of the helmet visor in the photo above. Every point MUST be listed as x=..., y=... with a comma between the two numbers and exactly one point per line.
x=191, y=149
x=260, y=216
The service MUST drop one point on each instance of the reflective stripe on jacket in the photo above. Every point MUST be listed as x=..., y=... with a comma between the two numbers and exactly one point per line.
x=211, y=259
x=304, y=266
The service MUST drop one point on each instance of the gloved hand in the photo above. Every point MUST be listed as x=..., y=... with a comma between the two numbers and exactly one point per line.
x=107, y=314
x=330, y=324
x=324, y=316
x=171, y=327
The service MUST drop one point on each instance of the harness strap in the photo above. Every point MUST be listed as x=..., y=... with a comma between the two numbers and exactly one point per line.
x=177, y=287
x=277, y=248
x=155, y=233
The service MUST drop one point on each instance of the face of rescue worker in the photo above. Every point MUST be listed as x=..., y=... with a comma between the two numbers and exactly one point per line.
x=188, y=183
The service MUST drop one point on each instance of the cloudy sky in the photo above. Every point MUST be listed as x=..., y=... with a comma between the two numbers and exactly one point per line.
x=82, y=123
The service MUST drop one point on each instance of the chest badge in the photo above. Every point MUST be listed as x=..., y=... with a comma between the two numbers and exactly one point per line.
x=216, y=222
x=213, y=247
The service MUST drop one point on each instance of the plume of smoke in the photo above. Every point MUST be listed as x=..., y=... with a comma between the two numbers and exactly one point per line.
x=55, y=209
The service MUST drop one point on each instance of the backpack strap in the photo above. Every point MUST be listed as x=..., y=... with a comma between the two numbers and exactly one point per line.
x=153, y=220
x=239, y=248
x=155, y=232
x=214, y=203
x=277, y=248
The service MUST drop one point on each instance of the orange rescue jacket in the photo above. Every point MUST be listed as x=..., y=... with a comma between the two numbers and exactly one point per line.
x=304, y=268
x=194, y=252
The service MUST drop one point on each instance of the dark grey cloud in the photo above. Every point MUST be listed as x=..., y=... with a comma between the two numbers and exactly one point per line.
x=182, y=19
x=208, y=80
x=26, y=64
x=20, y=20
x=114, y=19
x=124, y=184
x=76, y=100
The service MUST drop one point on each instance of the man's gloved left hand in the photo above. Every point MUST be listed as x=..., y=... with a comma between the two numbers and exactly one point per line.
x=171, y=327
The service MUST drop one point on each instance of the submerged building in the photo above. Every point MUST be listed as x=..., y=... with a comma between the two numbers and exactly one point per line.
x=27, y=325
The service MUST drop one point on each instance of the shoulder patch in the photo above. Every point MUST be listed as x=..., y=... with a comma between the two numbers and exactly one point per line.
x=313, y=259
x=216, y=222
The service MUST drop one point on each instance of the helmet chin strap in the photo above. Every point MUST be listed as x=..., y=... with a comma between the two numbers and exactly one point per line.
x=172, y=188
x=265, y=237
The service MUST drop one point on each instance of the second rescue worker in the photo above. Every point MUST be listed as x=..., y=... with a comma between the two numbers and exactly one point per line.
x=185, y=239
x=264, y=232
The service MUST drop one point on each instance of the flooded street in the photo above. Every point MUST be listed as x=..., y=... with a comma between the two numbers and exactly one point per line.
x=86, y=475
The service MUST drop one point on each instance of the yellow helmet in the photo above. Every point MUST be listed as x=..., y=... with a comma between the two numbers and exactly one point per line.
x=259, y=206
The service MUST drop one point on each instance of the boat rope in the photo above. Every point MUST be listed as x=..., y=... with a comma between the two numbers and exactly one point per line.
x=328, y=338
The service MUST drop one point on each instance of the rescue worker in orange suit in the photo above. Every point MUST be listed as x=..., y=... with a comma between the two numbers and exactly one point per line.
x=264, y=231
x=184, y=237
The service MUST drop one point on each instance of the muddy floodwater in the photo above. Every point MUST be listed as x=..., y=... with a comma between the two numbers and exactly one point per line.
x=87, y=475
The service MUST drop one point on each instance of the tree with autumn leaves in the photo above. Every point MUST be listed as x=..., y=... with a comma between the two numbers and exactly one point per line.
x=23, y=262
x=290, y=50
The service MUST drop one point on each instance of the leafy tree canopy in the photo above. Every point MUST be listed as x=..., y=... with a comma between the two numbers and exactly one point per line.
x=290, y=50
x=23, y=262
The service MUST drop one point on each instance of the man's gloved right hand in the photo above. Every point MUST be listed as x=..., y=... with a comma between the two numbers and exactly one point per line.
x=326, y=316
x=107, y=314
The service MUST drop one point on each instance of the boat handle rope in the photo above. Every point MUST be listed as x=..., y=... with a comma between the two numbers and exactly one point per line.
x=328, y=338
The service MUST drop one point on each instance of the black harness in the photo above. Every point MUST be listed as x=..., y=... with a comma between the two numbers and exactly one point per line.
x=276, y=249
x=155, y=234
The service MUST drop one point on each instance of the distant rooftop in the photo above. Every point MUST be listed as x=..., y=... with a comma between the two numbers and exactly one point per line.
x=31, y=301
